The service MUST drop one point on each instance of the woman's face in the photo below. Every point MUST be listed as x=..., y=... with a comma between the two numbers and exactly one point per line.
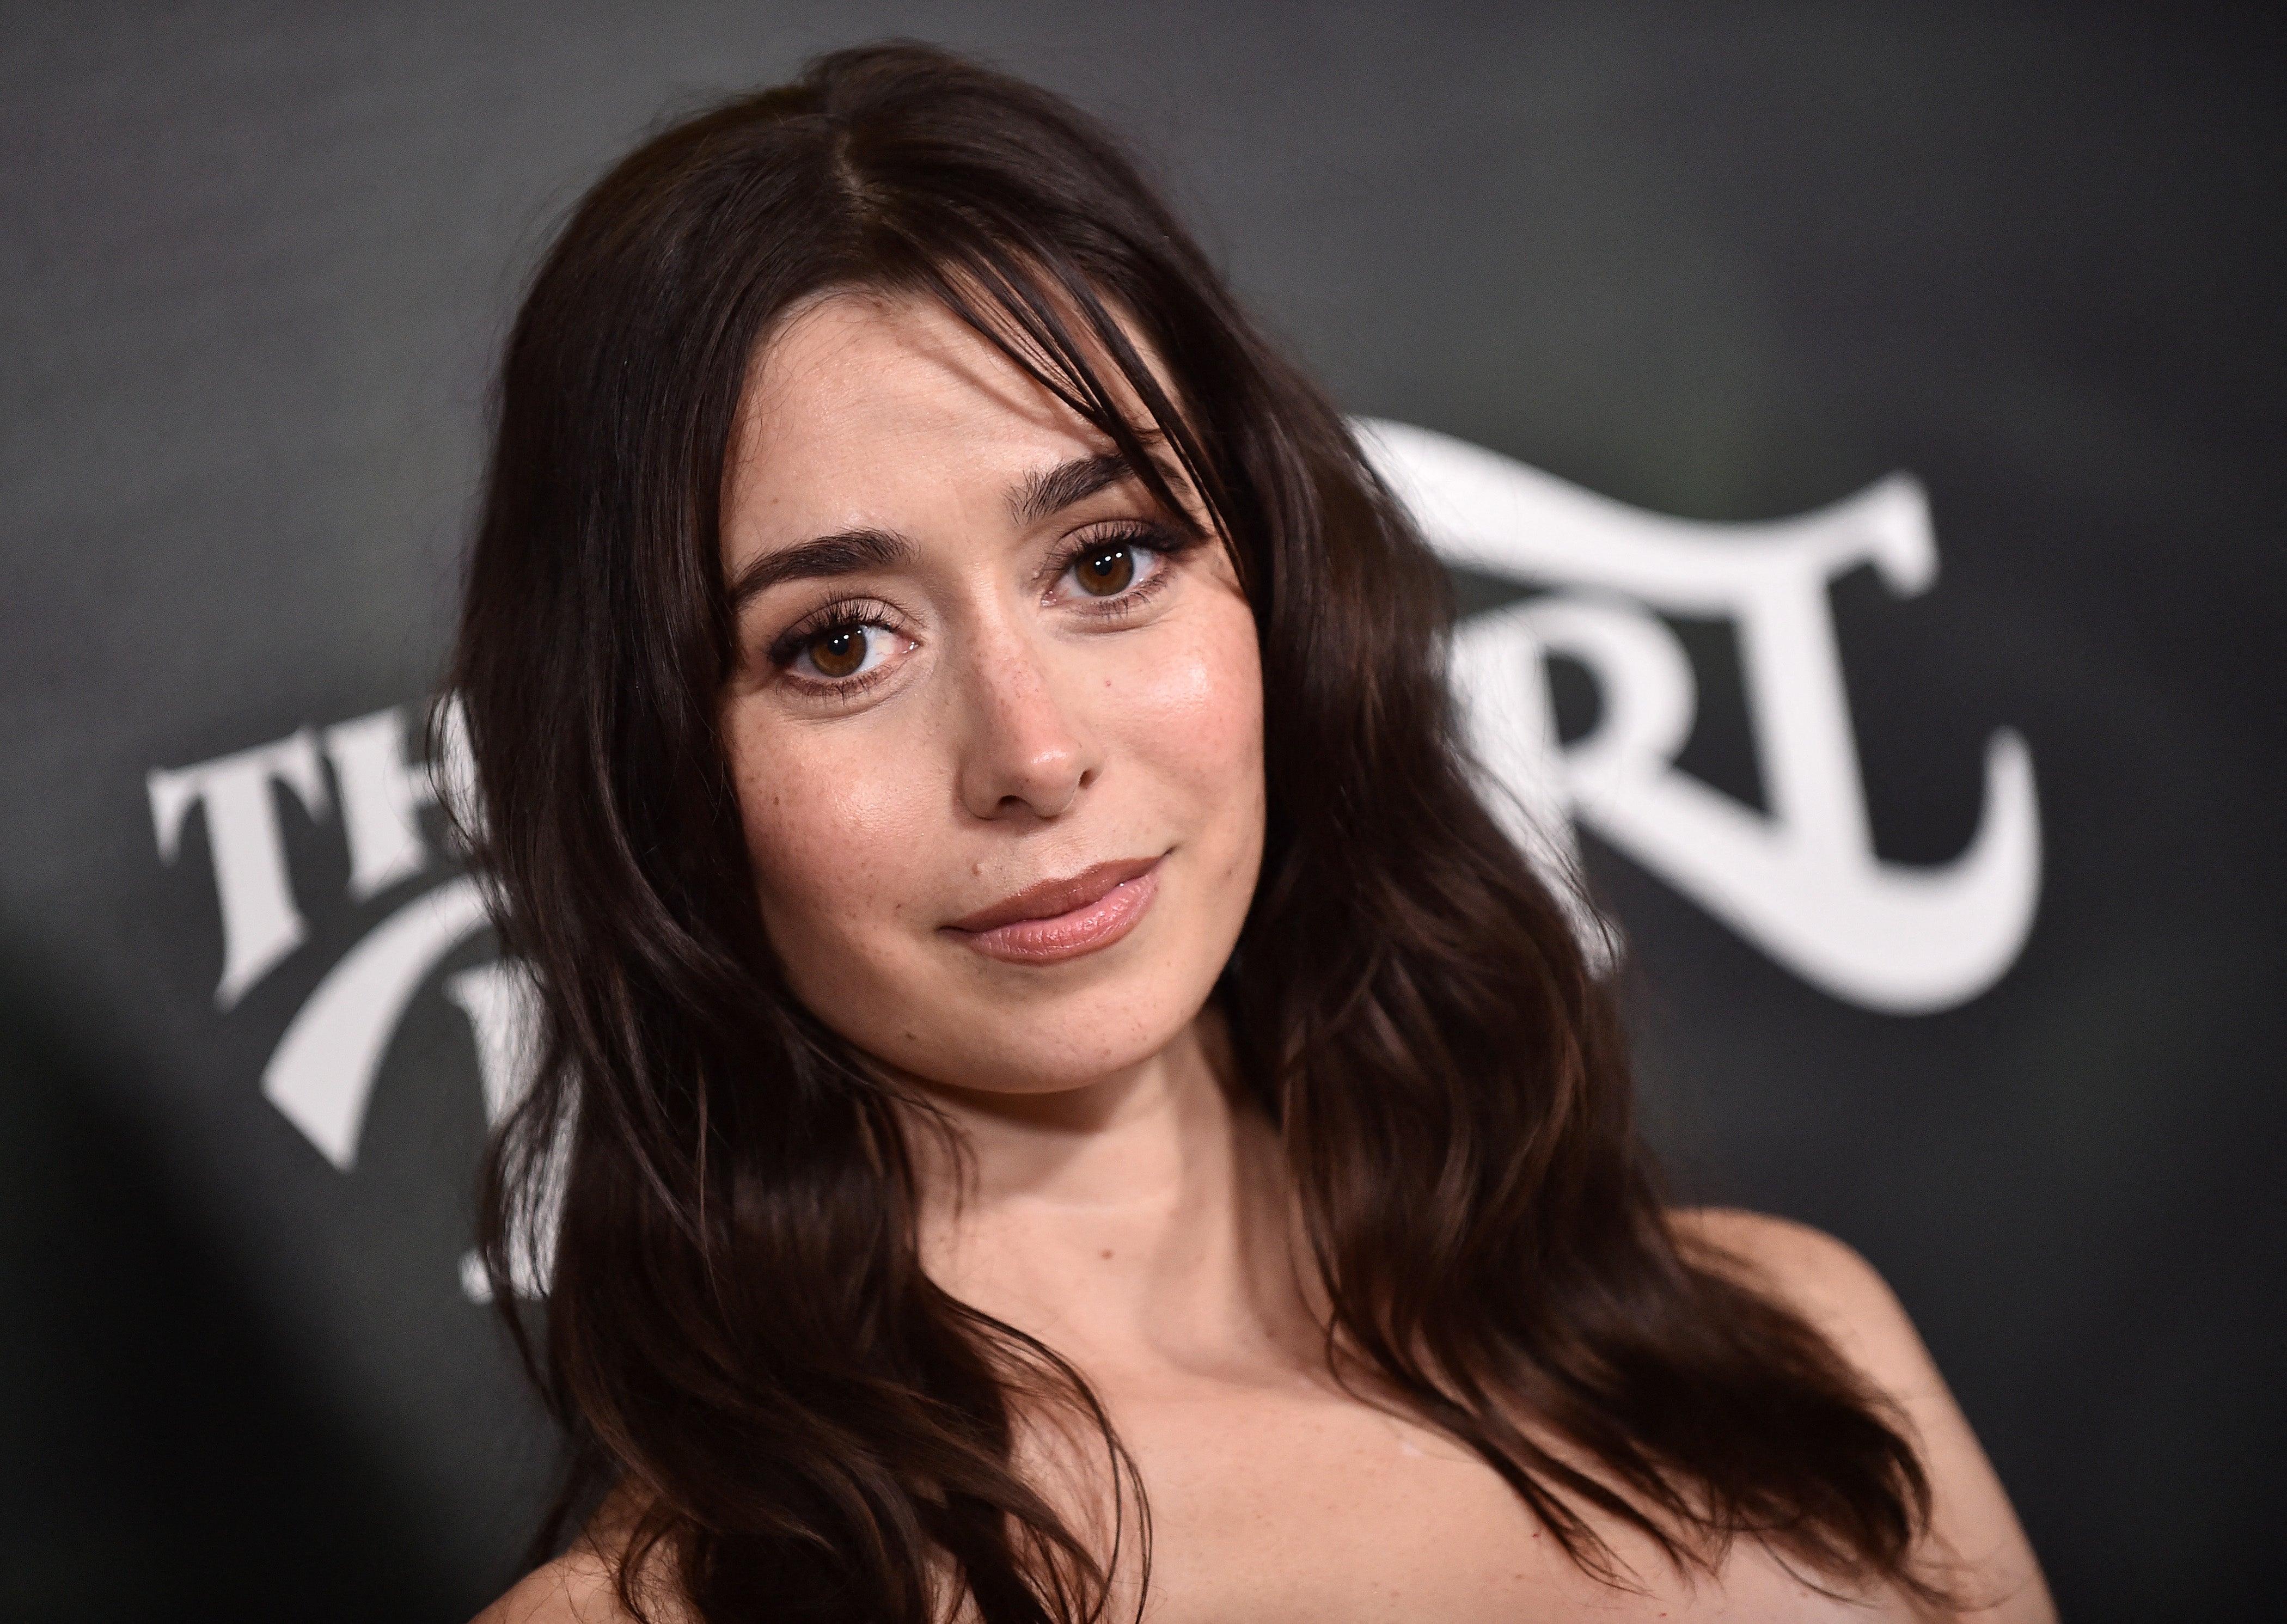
x=997, y=722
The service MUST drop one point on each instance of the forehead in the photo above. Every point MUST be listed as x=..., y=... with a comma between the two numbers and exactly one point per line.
x=884, y=393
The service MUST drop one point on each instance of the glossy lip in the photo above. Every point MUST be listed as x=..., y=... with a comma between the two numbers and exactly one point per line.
x=1062, y=918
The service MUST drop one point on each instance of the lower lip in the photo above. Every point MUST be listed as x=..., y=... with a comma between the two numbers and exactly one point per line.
x=1084, y=930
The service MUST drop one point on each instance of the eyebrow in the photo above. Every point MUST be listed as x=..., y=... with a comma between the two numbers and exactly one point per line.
x=1053, y=490
x=845, y=552
x=848, y=552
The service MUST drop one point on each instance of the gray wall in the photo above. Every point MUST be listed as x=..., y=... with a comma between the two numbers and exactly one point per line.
x=1727, y=263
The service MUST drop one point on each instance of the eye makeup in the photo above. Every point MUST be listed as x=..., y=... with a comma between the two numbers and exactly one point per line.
x=1107, y=572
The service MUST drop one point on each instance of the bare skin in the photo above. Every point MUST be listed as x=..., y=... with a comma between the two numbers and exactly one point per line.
x=999, y=726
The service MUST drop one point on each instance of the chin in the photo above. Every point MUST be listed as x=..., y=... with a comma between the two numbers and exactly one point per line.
x=1047, y=1056
x=1016, y=1039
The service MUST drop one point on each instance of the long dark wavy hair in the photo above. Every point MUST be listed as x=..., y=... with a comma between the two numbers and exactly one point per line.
x=734, y=1327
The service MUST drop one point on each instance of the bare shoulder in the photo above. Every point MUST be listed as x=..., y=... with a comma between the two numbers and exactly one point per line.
x=575, y=1588
x=1825, y=1282
x=1976, y=1533
x=581, y=1586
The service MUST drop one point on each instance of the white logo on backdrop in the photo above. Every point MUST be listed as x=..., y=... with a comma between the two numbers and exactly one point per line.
x=1800, y=881
x=322, y=1072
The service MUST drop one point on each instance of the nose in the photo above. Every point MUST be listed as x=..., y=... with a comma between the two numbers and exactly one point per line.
x=1026, y=751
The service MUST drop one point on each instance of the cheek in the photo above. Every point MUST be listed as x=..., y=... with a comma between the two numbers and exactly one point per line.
x=826, y=828
x=1195, y=714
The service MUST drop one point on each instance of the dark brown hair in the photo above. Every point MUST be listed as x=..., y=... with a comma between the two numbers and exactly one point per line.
x=736, y=1325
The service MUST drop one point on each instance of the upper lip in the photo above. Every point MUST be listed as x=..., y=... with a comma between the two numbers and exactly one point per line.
x=1052, y=897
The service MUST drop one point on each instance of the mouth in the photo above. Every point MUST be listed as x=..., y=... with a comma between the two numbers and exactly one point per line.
x=1062, y=918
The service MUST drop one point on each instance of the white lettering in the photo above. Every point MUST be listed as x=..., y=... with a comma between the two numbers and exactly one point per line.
x=1802, y=881
x=504, y=1011
x=455, y=769
x=260, y=923
x=321, y=1074
x=381, y=798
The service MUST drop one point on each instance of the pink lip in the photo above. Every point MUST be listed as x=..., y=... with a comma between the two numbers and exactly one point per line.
x=1062, y=918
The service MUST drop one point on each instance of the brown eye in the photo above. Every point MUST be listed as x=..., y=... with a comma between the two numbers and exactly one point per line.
x=1105, y=571
x=840, y=652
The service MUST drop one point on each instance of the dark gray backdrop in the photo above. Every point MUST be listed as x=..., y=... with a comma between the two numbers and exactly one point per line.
x=1725, y=262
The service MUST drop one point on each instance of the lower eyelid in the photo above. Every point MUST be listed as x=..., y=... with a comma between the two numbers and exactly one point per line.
x=1163, y=560
x=1149, y=587
x=826, y=687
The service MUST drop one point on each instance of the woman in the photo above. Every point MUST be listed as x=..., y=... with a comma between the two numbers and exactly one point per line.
x=1064, y=1105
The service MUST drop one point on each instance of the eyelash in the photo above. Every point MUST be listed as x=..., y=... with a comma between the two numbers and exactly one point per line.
x=1141, y=535
x=857, y=613
x=845, y=617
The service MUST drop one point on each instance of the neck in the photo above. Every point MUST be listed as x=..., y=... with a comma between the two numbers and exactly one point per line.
x=1139, y=1218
